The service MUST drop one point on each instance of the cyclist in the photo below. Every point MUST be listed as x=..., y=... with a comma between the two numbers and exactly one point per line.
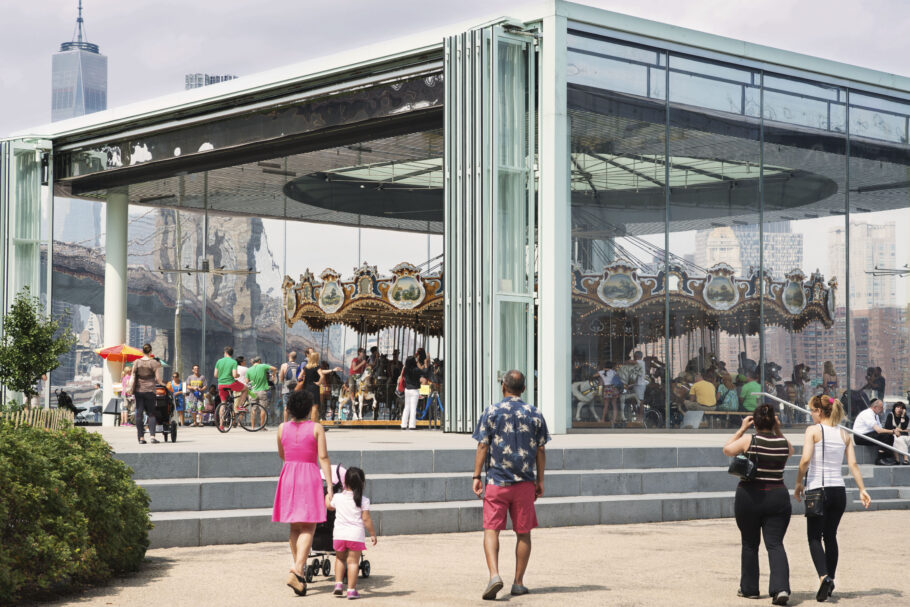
x=258, y=378
x=228, y=379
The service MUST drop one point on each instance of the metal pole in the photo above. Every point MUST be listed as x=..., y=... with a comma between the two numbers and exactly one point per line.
x=850, y=430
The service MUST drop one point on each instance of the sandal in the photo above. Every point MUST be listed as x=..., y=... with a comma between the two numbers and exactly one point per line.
x=297, y=584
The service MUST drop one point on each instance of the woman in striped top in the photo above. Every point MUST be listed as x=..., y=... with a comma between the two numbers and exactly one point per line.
x=823, y=464
x=762, y=506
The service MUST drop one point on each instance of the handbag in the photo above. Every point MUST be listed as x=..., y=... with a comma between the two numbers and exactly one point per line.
x=401, y=383
x=743, y=466
x=815, y=498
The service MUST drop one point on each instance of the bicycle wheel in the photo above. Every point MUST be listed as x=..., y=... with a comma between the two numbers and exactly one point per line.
x=224, y=417
x=253, y=418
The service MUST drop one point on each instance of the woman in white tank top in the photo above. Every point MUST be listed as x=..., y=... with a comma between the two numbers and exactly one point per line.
x=823, y=456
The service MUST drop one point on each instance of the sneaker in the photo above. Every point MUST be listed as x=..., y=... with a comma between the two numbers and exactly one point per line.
x=518, y=590
x=493, y=587
x=781, y=598
x=353, y=594
x=339, y=589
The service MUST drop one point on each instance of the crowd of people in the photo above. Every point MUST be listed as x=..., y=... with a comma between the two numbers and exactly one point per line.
x=373, y=381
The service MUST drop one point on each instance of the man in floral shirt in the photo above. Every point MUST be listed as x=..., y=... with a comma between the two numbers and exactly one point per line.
x=511, y=436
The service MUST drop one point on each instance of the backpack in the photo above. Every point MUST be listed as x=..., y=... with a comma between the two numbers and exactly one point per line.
x=290, y=375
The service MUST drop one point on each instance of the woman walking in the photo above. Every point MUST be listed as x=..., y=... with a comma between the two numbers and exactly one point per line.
x=762, y=505
x=146, y=377
x=823, y=464
x=299, y=499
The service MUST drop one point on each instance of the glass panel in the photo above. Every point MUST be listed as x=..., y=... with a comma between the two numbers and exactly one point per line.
x=879, y=249
x=804, y=247
x=513, y=338
x=715, y=200
x=616, y=66
x=618, y=216
x=26, y=221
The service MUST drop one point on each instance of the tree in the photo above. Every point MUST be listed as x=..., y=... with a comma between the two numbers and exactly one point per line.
x=32, y=342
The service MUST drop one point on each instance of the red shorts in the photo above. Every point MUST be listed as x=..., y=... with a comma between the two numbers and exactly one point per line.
x=345, y=545
x=517, y=500
x=225, y=390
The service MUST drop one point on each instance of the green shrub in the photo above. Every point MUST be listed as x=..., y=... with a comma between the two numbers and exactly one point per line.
x=70, y=514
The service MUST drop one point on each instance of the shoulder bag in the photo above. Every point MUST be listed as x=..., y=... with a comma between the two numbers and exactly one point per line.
x=815, y=498
x=743, y=465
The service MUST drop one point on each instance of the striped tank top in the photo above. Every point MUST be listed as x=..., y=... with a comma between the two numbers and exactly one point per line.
x=770, y=454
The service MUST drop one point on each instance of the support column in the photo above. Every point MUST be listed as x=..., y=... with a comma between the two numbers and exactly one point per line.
x=554, y=280
x=116, y=227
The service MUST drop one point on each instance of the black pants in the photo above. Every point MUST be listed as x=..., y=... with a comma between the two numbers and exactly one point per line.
x=888, y=439
x=762, y=510
x=145, y=404
x=825, y=527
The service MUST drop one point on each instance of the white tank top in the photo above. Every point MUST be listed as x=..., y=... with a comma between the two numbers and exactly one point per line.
x=832, y=461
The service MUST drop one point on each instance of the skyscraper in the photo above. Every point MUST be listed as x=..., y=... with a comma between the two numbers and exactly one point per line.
x=194, y=81
x=79, y=77
x=871, y=245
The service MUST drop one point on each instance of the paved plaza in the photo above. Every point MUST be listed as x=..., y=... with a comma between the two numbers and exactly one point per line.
x=655, y=564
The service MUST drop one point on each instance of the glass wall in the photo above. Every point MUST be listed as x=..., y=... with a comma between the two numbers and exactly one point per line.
x=720, y=214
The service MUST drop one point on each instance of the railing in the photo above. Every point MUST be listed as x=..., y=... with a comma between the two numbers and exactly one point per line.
x=850, y=430
x=52, y=419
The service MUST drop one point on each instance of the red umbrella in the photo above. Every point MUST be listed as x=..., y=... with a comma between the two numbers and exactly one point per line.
x=121, y=353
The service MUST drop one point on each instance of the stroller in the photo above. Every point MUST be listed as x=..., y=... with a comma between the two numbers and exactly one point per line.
x=322, y=550
x=164, y=413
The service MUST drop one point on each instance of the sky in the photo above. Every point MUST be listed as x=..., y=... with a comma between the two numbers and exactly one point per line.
x=151, y=44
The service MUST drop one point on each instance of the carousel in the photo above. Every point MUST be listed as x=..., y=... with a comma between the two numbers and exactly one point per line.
x=406, y=305
x=623, y=308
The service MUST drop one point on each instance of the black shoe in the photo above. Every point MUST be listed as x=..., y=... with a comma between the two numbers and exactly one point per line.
x=781, y=598
x=883, y=461
x=740, y=594
x=824, y=590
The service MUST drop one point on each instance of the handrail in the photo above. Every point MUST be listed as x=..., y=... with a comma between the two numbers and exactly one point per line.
x=850, y=430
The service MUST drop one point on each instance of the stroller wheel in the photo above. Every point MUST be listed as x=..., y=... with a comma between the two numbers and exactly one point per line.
x=173, y=432
x=309, y=574
x=365, y=569
x=326, y=567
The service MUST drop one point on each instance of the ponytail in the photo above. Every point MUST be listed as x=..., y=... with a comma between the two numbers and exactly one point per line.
x=830, y=408
x=354, y=479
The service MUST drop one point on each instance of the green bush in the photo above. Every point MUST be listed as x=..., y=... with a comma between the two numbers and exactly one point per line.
x=70, y=514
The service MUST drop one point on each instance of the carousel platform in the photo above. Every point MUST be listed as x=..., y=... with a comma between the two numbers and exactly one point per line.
x=210, y=488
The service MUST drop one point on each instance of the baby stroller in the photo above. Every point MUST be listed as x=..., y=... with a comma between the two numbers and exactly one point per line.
x=322, y=550
x=164, y=413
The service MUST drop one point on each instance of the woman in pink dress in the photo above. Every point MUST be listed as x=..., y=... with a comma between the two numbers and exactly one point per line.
x=299, y=499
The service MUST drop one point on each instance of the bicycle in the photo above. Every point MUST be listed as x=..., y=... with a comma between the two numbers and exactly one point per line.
x=250, y=417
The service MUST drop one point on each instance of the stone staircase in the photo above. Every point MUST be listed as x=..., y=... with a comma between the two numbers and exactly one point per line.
x=226, y=498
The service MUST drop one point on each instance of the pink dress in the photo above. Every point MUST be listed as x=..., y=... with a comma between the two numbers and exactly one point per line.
x=299, y=498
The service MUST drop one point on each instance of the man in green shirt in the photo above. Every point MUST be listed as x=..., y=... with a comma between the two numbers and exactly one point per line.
x=228, y=379
x=258, y=378
x=749, y=391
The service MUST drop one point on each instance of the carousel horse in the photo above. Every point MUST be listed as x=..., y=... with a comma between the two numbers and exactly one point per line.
x=586, y=393
x=628, y=373
x=366, y=390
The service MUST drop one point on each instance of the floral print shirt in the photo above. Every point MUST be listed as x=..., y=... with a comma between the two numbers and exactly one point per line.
x=513, y=430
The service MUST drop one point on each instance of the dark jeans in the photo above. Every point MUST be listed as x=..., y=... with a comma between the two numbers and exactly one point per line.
x=818, y=527
x=760, y=509
x=888, y=439
x=145, y=404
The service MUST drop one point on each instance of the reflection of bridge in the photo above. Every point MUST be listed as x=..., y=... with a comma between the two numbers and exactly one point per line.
x=152, y=298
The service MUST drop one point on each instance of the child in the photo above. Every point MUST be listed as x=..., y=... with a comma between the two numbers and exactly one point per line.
x=352, y=519
x=611, y=389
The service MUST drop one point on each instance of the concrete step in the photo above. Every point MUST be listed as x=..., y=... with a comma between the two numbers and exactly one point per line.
x=207, y=527
x=226, y=493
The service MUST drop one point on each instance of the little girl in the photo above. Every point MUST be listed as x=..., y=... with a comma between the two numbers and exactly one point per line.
x=352, y=519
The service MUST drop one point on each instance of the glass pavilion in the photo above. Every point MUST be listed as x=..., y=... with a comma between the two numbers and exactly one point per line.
x=596, y=184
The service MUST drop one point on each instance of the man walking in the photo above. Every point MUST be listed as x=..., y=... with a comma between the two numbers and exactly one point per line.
x=511, y=436
x=195, y=395
x=258, y=378
x=288, y=378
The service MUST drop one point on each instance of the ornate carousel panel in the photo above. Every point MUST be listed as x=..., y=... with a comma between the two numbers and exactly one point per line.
x=624, y=303
x=367, y=302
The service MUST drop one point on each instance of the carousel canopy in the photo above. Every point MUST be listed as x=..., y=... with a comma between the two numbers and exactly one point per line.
x=367, y=302
x=621, y=301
